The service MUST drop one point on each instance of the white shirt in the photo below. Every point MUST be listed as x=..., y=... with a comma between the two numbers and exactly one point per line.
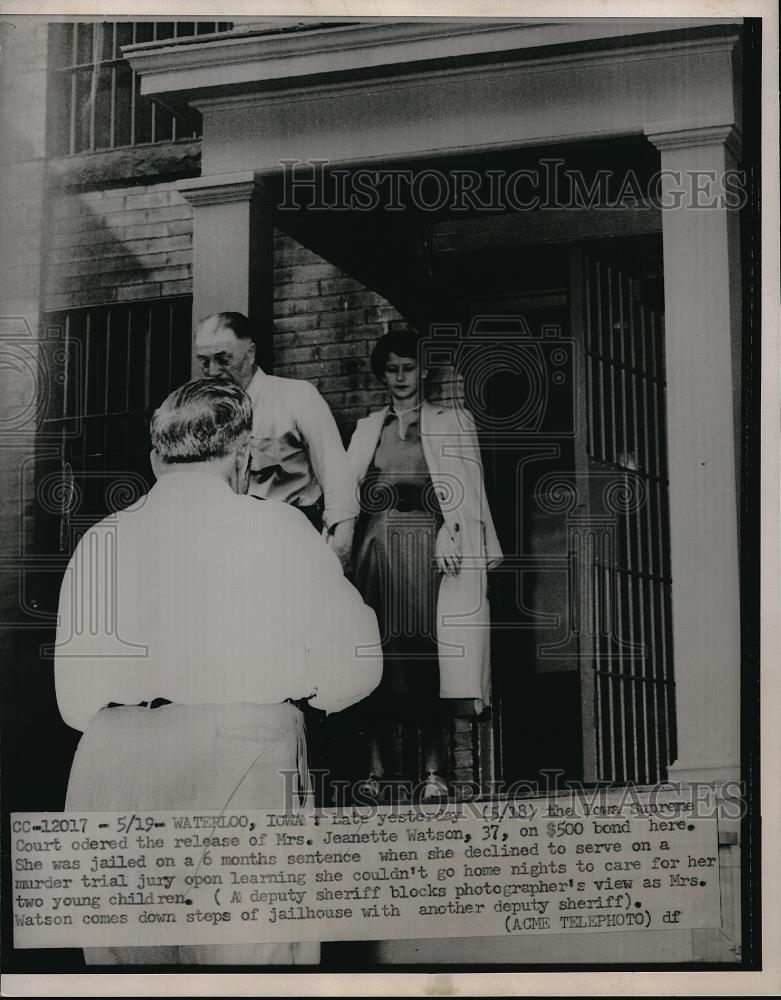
x=198, y=595
x=297, y=453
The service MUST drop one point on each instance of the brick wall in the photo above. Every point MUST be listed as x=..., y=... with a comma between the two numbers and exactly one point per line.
x=325, y=326
x=118, y=245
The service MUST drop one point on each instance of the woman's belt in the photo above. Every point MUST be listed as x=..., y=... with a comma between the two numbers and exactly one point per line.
x=380, y=495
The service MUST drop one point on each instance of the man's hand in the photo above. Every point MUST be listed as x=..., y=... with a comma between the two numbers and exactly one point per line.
x=448, y=552
x=341, y=541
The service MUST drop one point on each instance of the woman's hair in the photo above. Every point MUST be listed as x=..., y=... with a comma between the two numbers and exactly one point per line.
x=200, y=421
x=404, y=343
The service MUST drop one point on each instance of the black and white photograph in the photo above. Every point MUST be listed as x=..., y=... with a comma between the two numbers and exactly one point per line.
x=389, y=457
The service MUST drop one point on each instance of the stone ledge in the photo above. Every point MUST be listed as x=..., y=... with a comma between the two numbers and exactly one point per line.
x=116, y=167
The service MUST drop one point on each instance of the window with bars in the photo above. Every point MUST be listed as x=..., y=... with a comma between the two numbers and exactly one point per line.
x=632, y=682
x=122, y=361
x=97, y=102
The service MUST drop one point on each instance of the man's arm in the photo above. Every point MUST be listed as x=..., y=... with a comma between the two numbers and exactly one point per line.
x=329, y=460
x=339, y=632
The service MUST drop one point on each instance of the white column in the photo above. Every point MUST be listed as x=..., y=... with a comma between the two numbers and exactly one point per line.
x=231, y=252
x=702, y=322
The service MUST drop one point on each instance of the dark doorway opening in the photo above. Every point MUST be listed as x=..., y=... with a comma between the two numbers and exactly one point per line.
x=563, y=367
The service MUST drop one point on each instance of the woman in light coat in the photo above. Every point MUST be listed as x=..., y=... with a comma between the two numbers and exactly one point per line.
x=424, y=541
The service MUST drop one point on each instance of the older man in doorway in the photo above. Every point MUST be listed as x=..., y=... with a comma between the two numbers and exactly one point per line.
x=297, y=453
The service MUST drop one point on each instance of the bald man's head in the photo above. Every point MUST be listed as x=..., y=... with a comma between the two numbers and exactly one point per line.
x=225, y=348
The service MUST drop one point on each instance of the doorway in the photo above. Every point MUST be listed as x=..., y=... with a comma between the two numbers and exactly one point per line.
x=562, y=366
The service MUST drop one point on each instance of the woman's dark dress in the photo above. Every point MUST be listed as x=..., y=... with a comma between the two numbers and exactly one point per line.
x=395, y=567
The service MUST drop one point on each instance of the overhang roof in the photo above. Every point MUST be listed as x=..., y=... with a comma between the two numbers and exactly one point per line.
x=288, y=54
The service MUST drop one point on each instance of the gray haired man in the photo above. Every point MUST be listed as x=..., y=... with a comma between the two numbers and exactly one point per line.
x=218, y=612
x=297, y=455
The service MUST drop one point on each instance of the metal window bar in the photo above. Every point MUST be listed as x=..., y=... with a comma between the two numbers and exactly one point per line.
x=628, y=523
x=113, y=105
x=587, y=308
x=626, y=580
x=644, y=544
x=661, y=428
x=607, y=336
x=652, y=518
x=601, y=389
x=625, y=394
x=95, y=55
x=171, y=344
x=588, y=629
x=148, y=357
x=133, y=100
x=616, y=619
x=112, y=437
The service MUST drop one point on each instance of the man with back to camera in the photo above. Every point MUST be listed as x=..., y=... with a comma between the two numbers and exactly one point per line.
x=297, y=453
x=221, y=609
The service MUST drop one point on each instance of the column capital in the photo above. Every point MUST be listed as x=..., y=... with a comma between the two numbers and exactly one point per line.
x=674, y=136
x=232, y=249
x=221, y=189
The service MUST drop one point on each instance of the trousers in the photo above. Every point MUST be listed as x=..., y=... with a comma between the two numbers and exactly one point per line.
x=212, y=757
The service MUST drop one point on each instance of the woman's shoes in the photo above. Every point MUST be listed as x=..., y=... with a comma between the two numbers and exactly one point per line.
x=369, y=787
x=433, y=787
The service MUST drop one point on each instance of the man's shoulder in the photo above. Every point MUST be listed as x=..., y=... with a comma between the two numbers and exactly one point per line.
x=276, y=515
x=118, y=518
x=291, y=387
x=100, y=529
x=99, y=539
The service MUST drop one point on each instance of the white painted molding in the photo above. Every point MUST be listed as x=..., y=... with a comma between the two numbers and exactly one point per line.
x=712, y=774
x=255, y=57
x=220, y=189
x=697, y=135
x=301, y=88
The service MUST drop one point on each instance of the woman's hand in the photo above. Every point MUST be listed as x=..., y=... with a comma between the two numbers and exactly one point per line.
x=448, y=552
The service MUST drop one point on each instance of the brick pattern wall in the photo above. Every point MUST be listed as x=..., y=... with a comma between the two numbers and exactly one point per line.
x=118, y=245
x=325, y=326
